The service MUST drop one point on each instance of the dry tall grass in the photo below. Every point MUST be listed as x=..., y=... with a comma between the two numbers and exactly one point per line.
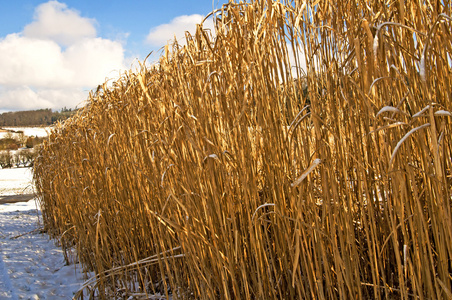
x=207, y=176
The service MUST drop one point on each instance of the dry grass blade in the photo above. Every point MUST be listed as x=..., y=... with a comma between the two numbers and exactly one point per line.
x=305, y=174
x=399, y=143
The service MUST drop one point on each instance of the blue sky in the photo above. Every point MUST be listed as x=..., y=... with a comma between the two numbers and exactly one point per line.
x=53, y=52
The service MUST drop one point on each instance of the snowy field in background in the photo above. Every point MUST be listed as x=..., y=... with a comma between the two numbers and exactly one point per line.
x=28, y=131
x=31, y=265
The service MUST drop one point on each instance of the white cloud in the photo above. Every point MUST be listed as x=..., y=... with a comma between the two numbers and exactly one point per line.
x=42, y=63
x=163, y=34
x=92, y=61
x=26, y=61
x=55, y=21
x=26, y=98
x=53, y=69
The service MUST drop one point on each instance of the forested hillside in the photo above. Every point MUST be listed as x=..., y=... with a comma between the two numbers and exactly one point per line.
x=35, y=117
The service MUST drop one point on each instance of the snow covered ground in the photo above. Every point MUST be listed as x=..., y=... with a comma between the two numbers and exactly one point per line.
x=16, y=181
x=28, y=131
x=31, y=265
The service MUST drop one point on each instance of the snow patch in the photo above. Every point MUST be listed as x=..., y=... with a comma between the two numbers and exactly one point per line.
x=16, y=181
x=31, y=265
x=28, y=131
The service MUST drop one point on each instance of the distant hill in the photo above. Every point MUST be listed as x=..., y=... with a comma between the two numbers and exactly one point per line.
x=35, y=117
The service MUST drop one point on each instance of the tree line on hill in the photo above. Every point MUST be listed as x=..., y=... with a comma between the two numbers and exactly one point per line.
x=35, y=117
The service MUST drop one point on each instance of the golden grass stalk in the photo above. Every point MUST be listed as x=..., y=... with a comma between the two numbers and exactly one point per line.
x=200, y=176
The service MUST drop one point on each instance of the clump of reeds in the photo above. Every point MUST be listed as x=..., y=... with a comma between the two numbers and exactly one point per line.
x=303, y=152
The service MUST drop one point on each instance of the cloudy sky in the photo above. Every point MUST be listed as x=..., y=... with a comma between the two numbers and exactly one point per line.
x=52, y=53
